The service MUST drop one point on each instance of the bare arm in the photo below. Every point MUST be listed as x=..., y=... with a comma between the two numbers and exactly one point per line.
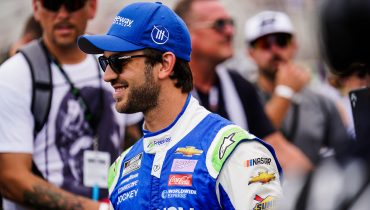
x=20, y=185
x=276, y=109
x=290, y=76
x=292, y=159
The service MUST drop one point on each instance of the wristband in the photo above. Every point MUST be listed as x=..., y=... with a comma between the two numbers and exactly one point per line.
x=103, y=206
x=284, y=91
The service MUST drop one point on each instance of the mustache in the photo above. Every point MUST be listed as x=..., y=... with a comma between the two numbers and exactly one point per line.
x=64, y=24
x=119, y=82
x=277, y=58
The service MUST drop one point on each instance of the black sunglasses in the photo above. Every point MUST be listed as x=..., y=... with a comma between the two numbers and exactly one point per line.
x=281, y=40
x=116, y=62
x=70, y=5
x=218, y=25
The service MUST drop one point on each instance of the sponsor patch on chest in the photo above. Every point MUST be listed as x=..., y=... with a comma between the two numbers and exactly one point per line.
x=183, y=165
x=180, y=180
x=133, y=164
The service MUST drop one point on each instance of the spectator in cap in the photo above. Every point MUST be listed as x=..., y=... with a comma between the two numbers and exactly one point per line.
x=342, y=182
x=188, y=158
x=61, y=162
x=310, y=120
x=225, y=91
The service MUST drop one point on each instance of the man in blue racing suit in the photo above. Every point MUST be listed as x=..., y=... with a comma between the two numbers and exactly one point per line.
x=188, y=157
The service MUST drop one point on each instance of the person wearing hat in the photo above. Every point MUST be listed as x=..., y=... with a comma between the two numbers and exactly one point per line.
x=188, y=158
x=59, y=163
x=308, y=119
x=224, y=91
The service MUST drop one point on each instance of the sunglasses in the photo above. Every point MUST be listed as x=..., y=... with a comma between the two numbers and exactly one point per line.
x=116, y=62
x=218, y=25
x=266, y=42
x=70, y=5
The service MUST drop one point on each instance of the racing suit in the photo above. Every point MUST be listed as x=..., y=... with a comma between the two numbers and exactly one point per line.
x=200, y=161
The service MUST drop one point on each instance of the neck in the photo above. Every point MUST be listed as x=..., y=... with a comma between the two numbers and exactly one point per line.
x=67, y=54
x=168, y=108
x=204, y=73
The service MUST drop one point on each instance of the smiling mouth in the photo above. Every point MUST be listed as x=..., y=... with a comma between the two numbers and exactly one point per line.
x=119, y=89
x=119, y=86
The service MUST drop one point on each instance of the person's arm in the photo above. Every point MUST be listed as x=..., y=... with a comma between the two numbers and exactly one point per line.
x=290, y=79
x=19, y=184
x=249, y=178
x=292, y=159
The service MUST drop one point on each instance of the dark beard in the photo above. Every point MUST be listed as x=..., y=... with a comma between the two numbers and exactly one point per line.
x=144, y=97
x=270, y=71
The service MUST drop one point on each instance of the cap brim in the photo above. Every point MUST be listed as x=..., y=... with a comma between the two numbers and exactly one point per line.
x=97, y=44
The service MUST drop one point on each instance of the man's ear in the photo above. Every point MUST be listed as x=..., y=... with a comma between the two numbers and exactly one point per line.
x=35, y=8
x=168, y=62
x=92, y=4
x=250, y=52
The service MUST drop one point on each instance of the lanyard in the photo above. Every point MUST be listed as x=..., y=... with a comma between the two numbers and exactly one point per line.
x=89, y=116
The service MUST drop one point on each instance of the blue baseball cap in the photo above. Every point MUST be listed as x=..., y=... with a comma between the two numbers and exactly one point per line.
x=142, y=25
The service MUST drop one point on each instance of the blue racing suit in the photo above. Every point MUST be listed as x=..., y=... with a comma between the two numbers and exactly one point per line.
x=200, y=161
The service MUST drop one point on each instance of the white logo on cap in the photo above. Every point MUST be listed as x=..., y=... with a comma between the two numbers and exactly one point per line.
x=122, y=21
x=160, y=35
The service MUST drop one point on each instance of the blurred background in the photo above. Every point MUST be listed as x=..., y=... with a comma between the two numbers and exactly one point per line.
x=303, y=13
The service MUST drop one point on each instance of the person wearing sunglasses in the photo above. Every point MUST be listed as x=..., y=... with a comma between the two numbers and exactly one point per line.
x=63, y=162
x=308, y=119
x=188, y=157
x=225, y=91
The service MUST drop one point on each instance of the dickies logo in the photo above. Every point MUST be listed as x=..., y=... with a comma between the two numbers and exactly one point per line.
x=262, y=177
x=264, y=203
x=180, y=180
x=160, y=34
x=188, y=151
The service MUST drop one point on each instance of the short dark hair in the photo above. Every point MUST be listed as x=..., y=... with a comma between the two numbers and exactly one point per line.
x=182, y=9
x=181, y=71
x=33, y=28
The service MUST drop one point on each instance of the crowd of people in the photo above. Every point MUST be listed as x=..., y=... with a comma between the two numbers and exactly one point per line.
x=147, y=116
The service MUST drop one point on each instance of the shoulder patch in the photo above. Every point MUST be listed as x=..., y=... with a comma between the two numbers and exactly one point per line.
x=223, y=145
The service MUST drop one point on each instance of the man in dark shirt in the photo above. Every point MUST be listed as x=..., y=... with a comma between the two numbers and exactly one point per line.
x=226, y=92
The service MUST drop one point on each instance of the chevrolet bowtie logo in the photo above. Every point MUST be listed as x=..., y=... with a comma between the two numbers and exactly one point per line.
x=188, y=151
x=262, y=177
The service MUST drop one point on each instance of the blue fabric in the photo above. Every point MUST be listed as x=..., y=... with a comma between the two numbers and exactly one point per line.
x=142, y=25
x=154, y=193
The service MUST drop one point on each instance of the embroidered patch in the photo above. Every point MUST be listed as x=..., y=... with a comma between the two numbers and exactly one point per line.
x=262, y=177
x=160, y=34
x=257, y=161
x=133, y=164
x=183, y=165
x=264, y=203
x=226, y=143
x=180, y=180
x=188, y=151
